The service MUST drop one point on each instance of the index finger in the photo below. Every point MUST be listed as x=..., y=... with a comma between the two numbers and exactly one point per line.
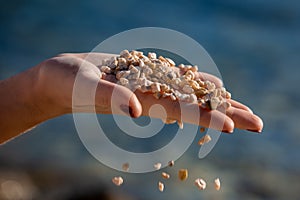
x=186, y=112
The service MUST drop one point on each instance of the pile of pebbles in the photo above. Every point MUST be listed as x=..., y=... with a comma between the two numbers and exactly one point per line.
x=161, y=77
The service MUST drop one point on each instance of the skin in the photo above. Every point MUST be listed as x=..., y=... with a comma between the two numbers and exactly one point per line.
x=45, y=91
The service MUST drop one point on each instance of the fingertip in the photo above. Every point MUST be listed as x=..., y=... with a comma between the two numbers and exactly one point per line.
x=228, y=132
x=220, y=121
x=228, y=126
x=259, y=124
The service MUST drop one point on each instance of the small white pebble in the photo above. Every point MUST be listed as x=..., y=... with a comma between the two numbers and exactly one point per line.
x=170, y=61
x=161, y=58
x=155, y=87
x=181, y=66
x=200, y=183
x=205, y=139
x=171, y=163
x=195, y=85
x=124, y=81
x=122, y=61
x=122, y=74
x=165, y=175
x=133, y=69
x=141, y=63
x=117, y=180
x=217, y=184
x=187, y=89
x=161, y=186
x=214, y=103
x=125, y=53
x=139, y=54
x=152, y=55
x=105, y=69
x=173, y=97
x=157, y=166
x=189, y=67
x=125, y=167
x=190, y=74
x=180, y=124
x=210, y=86
x=194, y=68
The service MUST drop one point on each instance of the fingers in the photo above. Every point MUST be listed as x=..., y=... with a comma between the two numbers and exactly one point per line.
x=210, y=119
x=244, y=119
x=189, y=113
x=115, y=99
x=193, y=114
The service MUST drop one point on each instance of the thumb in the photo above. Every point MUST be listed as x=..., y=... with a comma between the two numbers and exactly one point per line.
x=116, y=99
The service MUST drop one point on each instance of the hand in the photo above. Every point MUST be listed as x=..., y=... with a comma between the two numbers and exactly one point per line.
x=58, y=74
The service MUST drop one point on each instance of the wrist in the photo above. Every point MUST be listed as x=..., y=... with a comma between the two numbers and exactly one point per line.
x=22, y=105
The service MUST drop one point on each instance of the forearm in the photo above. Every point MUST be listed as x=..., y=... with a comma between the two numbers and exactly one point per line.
x=20, y=104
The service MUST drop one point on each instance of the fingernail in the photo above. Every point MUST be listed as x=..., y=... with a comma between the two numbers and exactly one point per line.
x=226, y=131
x=127, y=110
x=253, y=130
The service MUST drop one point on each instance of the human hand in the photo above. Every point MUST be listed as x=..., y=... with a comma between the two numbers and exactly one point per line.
x=57, y=77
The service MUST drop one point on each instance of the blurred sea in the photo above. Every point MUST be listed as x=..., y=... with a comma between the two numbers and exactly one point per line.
x=255, y=45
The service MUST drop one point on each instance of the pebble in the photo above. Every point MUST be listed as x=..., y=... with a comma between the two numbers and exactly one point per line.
x=165, y=175
x=205, y=139
x=118, y=180
x=171, y=163
x=157, y=166
x=200, y=183
x=183, y=174
x=161, y=186
x=125, y=167
x=217, y=184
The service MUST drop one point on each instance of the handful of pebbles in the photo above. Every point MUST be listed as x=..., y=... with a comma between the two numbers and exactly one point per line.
x=161, y=77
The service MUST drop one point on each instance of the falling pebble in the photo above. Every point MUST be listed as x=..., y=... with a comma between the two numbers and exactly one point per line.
x=117, y=180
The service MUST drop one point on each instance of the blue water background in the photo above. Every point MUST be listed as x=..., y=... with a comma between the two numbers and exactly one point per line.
x=255, y=45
